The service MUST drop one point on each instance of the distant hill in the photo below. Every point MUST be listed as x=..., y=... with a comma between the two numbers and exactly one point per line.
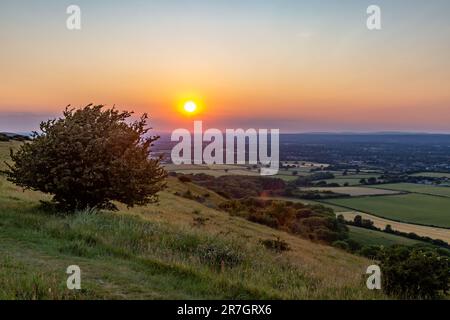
x=7, y=136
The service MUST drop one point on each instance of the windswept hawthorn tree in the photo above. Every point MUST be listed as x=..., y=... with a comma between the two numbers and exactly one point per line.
x=89, y=158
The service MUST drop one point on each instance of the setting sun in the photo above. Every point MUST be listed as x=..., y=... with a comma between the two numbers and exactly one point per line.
x=190, y=106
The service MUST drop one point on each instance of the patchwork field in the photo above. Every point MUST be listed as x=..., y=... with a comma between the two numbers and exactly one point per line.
x=340, y=175
x=355, y=191
x=342, y=181
x=432, y=174
x=417, y=188
x=351, y=180
x=212, y=170
x=411, y=208
x=424, y=231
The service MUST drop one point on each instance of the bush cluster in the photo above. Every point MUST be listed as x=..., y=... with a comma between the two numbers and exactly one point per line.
x=315, y=222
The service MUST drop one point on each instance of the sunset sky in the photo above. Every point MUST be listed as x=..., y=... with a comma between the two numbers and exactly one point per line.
x=289, y=64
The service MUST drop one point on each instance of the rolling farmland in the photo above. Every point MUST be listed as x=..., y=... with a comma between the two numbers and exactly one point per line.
x=432, y=174
x=354, y=191
x=411, y=208
x=417, y=188
x=424, y=231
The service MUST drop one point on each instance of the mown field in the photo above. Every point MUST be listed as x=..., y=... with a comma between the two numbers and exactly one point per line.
x=411, y=208
x=372, y=237
x=170, y=250
x=416, y=188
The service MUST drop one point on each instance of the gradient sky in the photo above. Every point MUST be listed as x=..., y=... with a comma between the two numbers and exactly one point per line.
x=290, y=64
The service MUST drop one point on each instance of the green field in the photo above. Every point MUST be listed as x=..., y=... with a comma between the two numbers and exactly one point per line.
x=411, y=208
x=355, y=176
x=286, y=178
x=432, y=174
x=417, y=188
x=342, y=181
x=354, y=191
x=372, y=237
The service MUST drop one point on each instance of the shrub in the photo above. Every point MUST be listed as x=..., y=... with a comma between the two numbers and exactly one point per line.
x=88, y=158
x=199, y=221
x=371, y=252
x=239, y=187
x=277, y=244
x=353, y=245
x=184, y=179
x=218, y=254
x=417, y=273
x=341, y=245
x=314, y=222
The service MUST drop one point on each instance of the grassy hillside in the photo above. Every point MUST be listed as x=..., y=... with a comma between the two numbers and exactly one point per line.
x=169, y=250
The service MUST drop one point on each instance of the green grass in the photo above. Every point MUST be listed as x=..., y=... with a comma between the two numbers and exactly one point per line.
x=4, y=152
x=142, y=254
x=143, y=260
x=411, y=208
x=372, y=237
x=417, y=188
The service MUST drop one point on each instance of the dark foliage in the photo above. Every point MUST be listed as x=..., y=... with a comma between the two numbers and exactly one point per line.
x=316, y=222
x=308, y=181
x=276, y=245
x=88, y=158
x=184, y=178
x=12, y=137
x=238, y=187
x=414, y=273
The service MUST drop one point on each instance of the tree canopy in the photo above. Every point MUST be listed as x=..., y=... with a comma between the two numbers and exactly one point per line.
x=89, y=158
